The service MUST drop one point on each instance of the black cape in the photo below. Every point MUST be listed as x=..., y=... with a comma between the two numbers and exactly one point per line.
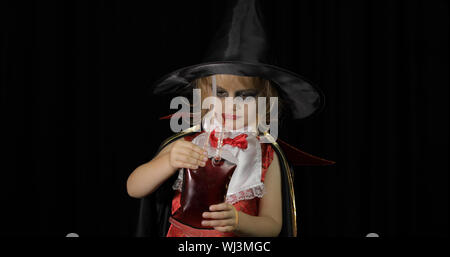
x=155, y=208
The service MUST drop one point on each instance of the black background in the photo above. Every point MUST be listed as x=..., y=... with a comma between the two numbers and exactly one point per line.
x=77, y=117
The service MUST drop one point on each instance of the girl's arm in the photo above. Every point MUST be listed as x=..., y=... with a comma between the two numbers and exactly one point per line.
x=269, y=221
x=146, y=178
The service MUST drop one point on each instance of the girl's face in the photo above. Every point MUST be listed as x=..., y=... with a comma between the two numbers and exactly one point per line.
x=243, y=113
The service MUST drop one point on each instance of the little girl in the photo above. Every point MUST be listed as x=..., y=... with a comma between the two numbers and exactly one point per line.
x=255, y=206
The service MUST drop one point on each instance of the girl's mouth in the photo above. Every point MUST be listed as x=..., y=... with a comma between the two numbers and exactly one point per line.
x=230, y=116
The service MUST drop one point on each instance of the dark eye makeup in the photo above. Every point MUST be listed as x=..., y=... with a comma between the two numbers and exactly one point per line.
x=221, y=92
x=247, y=93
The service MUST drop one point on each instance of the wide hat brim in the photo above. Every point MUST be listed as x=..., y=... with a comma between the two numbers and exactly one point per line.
x=302, y=97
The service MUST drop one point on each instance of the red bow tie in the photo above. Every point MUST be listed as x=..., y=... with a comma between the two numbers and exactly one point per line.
x=239, y=141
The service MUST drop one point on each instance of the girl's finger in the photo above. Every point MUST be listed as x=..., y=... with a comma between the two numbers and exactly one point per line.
x=190, y=166
x=220, y=215
x=195, y=148
x=199, y=157
x=186, y=165
x=188, y=149
x=196, y=159
x=225, y=228
x=220, y=207
x=218, y=223
x=188, y=159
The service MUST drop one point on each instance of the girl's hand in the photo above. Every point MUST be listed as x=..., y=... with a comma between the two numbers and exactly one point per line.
x=224, y=217
x=185, y=154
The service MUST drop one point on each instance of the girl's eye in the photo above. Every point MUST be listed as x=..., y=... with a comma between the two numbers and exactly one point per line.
x=222, y=94
x=249, y=94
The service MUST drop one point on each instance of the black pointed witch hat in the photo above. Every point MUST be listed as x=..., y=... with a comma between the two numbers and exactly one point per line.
x=241, y=48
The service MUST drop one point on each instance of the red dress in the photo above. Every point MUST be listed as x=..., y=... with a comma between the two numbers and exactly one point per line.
x=249, y=207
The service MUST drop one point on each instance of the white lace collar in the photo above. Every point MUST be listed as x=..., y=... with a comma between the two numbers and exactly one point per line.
x=246, y=180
